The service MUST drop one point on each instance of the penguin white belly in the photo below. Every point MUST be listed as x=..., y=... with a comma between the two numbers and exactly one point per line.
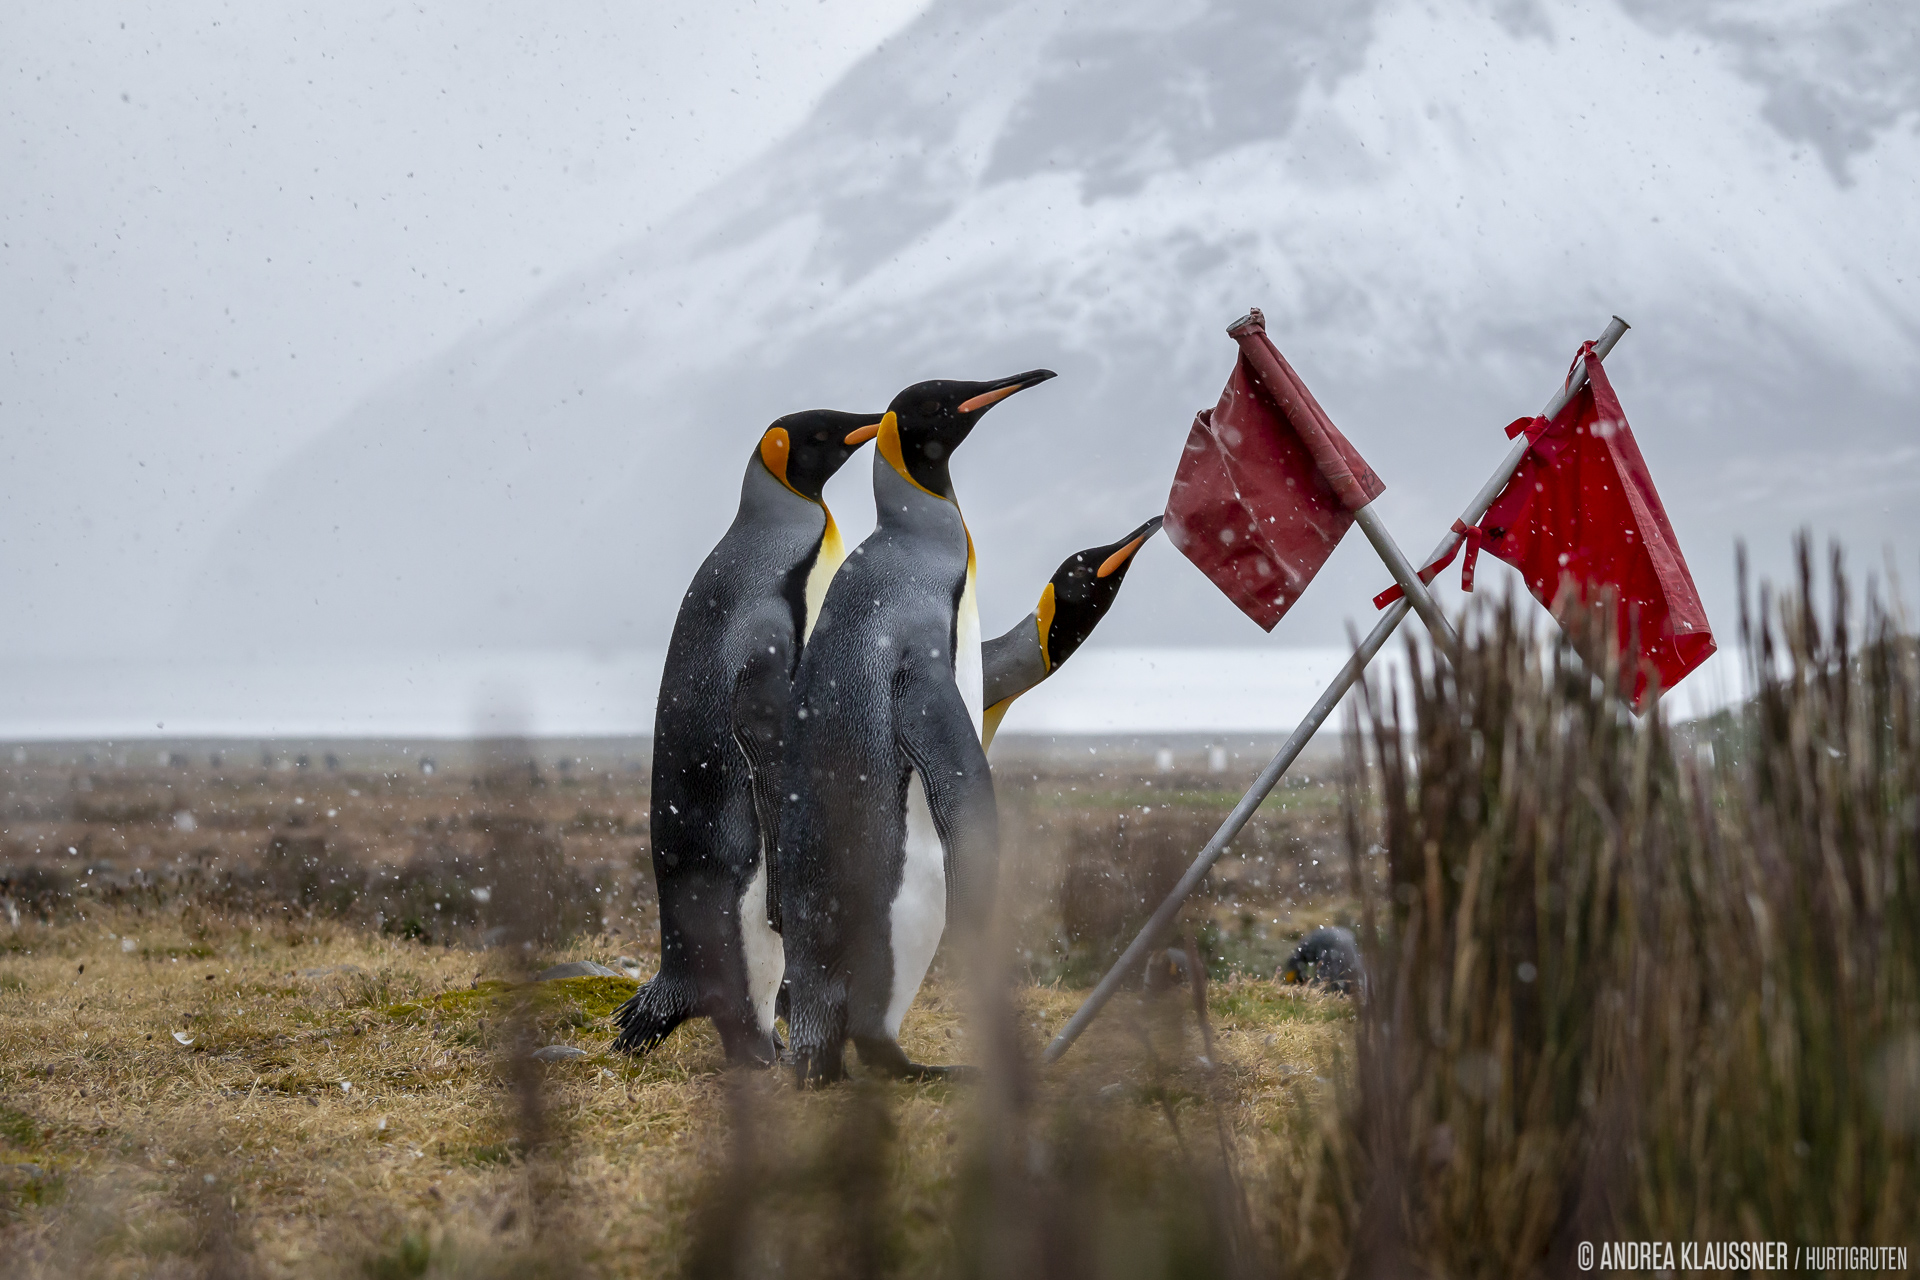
x=765, y=954
x=969, y=671
x=920, y=908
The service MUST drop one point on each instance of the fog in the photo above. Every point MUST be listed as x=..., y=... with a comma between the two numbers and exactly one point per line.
x=375, y=336
x=224, y=226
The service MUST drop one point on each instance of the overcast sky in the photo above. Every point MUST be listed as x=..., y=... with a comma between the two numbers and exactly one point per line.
x=222, y=225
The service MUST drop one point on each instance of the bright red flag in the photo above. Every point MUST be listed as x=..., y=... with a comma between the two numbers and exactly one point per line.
x=1582, y=522
x=1267, y=486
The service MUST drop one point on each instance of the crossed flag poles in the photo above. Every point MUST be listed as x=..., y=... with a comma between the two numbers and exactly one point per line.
x=1267, y=486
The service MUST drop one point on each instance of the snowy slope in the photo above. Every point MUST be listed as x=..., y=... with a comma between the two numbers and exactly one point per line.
x=1433, y=204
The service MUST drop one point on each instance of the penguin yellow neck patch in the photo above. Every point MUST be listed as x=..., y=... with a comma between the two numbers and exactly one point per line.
x=1043, y=614
x=990, y=723
x=890, y=449
x=775, y=449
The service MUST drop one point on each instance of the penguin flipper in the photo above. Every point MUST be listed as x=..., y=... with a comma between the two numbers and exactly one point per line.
x=935, y=732
x=760, y=694
x=651, y=1013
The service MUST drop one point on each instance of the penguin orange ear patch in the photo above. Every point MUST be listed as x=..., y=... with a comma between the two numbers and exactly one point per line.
x=775, y=449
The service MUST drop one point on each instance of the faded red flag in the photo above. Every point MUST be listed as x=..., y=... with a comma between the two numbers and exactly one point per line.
x=1583, y=523
x=1266, y=486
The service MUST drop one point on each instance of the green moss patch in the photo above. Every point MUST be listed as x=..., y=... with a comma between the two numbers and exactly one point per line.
x=18, y=1128
x=24, y=1185
x=579, y=1001
x=1264, y=1003
x=177, y=953
x=595, y=997
x=480, y=998
x=490, y=1153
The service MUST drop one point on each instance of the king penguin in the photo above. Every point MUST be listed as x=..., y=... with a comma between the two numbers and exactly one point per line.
x=888, y=823
x=742, y=627
x=1071, y=605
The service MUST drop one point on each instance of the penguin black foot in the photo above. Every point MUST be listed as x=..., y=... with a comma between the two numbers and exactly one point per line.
x=884, y=1054
x=760, y=1056
x=956, y=1073
x=745, y=1043
x=651, y=1014
x=817, y=1066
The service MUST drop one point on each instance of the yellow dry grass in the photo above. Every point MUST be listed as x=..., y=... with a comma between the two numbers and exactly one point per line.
x=345, y=1104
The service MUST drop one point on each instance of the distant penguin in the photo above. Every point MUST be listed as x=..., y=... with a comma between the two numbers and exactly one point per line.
x=716, y=741
x=1326, y=957
x=1071, y=605
x=888, y=824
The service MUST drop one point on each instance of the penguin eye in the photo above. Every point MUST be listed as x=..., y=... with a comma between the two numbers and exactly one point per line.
x=930, y=407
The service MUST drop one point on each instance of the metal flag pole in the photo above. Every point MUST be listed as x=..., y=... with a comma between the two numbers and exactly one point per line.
x=1136, y=953
x=1412, y=589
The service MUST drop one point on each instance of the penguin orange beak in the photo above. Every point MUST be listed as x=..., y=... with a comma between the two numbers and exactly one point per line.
x=860, y=435
x=998, y=391
x=1118, y=560
x=1119, y=557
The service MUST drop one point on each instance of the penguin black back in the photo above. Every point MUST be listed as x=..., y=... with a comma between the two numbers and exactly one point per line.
x=888, y=815
x=1328, y=957
x=741, y=628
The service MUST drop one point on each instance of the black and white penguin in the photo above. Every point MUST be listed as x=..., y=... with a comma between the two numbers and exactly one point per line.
x=1071, y=605
x=716, y=741
x=1326, y=957
x=888, y=824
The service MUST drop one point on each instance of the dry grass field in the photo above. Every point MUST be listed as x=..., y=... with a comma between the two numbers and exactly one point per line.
x=270, y=1037
x=347, y=1104
x=1625, y=982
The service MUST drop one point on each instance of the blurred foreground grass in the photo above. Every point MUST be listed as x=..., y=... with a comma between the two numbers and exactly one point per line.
x=346, y=1097
x=1626, y=983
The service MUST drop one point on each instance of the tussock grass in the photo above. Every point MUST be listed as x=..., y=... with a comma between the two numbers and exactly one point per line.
x=1629, y=984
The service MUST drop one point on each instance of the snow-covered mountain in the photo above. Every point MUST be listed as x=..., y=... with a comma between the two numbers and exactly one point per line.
x=1432, y=203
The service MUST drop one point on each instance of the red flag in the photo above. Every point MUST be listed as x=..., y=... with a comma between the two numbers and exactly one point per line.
x=1267, y=486
x=1581, y=517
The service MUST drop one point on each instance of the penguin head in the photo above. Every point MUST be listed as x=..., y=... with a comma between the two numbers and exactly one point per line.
x=929, y=420
x=803, y=450
x=1327, y=956
x=1081, y=591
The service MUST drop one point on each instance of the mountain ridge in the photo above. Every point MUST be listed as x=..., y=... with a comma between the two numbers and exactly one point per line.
x=976, y=198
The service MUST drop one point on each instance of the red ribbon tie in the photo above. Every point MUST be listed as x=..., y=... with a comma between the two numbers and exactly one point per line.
x=1471, y=535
